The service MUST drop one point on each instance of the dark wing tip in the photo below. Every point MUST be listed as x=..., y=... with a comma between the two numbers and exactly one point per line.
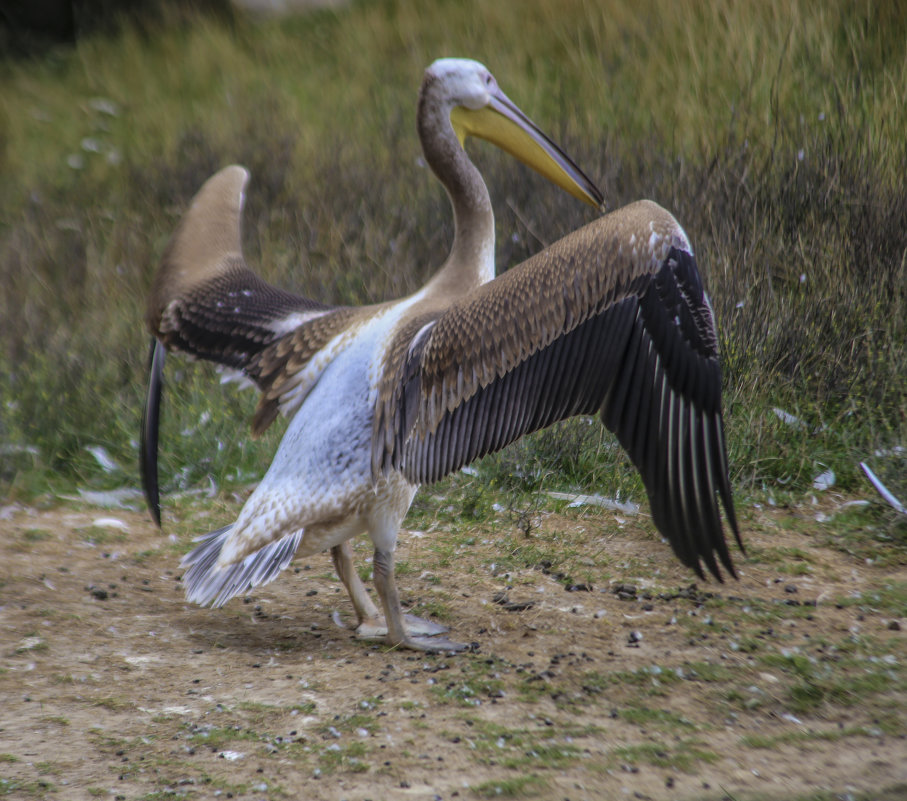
x=151, y=415
x=665, y=407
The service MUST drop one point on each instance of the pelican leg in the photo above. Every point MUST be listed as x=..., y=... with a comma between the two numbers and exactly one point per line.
x=343, y=563
x=397, y=635
x=371, y=624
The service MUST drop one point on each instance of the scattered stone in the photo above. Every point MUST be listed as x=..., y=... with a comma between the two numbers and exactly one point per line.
x=104, y=106
x=109, y=522
x=502, y=599
x=626, y=592
x=691, y=593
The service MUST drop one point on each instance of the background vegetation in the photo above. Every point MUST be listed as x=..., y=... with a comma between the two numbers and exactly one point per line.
x=776, y=132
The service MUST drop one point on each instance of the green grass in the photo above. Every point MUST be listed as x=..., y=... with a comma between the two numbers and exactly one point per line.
x=847, y=679
x=57, y=720
x=347, y=758
x=804, y=738
x=521, y=749
x=510, y=787
x=644, y=715
x=36, y=535
x=21, y=789
x=651, y=680
x=682, y=755
x=890, y=598
x=774, y=131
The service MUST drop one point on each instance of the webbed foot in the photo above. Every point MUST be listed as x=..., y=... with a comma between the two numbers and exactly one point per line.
x=432, y=645
x=375, y=628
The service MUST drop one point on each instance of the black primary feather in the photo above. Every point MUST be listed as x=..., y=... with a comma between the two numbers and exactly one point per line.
x=151, y=418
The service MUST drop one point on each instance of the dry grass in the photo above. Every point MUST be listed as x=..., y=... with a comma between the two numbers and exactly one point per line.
x=773, y=131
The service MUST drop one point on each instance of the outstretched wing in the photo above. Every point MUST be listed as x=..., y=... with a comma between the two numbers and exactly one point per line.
x=612, y=320
x=206, y=302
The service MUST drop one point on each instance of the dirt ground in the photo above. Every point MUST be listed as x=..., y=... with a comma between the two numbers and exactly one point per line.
x=783, y=685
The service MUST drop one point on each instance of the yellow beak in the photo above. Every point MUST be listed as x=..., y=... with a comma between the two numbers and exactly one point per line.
x=503, y=124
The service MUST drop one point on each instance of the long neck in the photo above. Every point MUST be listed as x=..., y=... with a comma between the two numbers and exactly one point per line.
x=471, y=259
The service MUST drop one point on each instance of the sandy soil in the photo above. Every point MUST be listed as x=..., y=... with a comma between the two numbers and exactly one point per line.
x=112, y=686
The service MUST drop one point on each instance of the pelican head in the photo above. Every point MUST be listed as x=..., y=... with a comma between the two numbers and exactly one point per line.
x=470, y=97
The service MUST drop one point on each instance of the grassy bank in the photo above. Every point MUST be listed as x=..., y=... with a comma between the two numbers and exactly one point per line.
x=775, y=132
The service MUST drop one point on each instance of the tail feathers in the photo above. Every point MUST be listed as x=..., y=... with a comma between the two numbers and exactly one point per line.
x=209, y=585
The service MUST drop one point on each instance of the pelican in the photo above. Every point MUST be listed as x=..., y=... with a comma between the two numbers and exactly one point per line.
x=610, y=320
